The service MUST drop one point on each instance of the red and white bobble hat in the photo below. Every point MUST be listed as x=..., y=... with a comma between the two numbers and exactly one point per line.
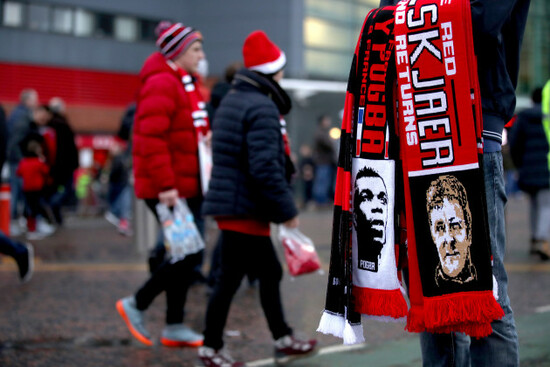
x=261, y=54
x=174, y=39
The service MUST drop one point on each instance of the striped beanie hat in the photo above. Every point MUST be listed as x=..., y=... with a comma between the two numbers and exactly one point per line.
x=173, y=39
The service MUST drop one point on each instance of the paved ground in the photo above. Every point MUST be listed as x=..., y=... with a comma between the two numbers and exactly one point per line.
x=66, y=317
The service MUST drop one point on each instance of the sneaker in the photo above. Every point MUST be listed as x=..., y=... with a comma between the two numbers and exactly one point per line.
x=543, y=249
x=111, y=218
x=212, y=358
x=44, y=227
x=179, y=335
x=289, y=347
x=133, y=318
x=16, y=229
x=124, y=227
x=25, y=263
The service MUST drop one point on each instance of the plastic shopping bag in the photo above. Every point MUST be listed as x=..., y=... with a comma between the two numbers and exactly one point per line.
x=300, y=254
x=205, y=162
x=181, y=236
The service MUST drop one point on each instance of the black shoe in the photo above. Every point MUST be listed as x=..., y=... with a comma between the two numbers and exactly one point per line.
x=25, y=263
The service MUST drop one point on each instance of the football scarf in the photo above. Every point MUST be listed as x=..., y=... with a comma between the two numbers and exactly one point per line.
x=200, y=122
x=434, y=141
x=362, y=273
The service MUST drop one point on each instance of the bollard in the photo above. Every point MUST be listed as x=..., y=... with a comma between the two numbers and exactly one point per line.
x=5, y=198
x=145, y=227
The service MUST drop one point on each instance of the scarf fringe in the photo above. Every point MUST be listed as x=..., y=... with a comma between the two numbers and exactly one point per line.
x=468, y=308
x=353, y=334
x=380, y=302
x=331, y=324
x=415, y=320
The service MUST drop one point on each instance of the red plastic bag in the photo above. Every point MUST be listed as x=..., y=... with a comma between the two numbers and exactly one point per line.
x=300, y=254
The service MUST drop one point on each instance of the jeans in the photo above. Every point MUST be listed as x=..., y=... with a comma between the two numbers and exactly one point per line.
x=245, y=254
x=10, y=247
x=16, y=188
x=501, y=347
x=120, y=200
x=323, y=183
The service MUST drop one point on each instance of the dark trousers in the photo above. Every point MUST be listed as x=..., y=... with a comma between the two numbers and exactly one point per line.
x=174, y=279
x=245, y=254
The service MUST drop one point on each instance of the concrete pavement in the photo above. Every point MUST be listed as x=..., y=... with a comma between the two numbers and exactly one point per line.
x=65, y=315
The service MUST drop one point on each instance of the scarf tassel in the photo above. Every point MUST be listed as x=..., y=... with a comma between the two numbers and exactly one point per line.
x=415, y=320
x=353, y=334
x=473, y=309
x=331, y=324
x=380, y=302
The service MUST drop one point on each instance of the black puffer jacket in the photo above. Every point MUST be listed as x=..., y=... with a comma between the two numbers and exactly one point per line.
x=529, y=149
x=249, y=177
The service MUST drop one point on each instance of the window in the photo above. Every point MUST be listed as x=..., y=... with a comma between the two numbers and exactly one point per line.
x=327, y=64
x=126, y=28
x=104, y=25
x=62, y=20
x=84, y=23
x=12, y=14
x=39, y=17
x=148, y=30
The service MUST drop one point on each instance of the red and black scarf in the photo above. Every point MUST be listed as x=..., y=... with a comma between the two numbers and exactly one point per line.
x=412, y=106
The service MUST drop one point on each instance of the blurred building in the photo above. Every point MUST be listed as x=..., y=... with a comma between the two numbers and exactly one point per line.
x=90, y=51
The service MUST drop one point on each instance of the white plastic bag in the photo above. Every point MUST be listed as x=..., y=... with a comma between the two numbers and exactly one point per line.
x=205, y=162
x=181, y=236
x=300, y=254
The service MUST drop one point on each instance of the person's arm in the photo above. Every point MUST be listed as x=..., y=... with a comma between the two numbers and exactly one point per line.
x=153, y=121
x=265, y=145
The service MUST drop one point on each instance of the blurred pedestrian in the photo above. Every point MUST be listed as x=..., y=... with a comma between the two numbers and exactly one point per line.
x=34, y=171
x=18, y=126
x=22, y=253
x=65, y=161
x=170, y=118
x=306, y=169
x=529, y=145
x=324, y=157
x=119, y=195
x=221, y=88
x=498, y=29
x=248, y=190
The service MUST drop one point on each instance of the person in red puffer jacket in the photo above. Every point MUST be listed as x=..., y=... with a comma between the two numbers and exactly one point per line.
x=34, y=171
x=170, y=119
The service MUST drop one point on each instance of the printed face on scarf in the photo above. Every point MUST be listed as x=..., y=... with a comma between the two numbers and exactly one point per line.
x=370, y=209
x=449, y=217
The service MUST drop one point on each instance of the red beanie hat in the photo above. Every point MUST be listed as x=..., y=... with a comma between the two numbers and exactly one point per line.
x=260, y=54
x=173, y=39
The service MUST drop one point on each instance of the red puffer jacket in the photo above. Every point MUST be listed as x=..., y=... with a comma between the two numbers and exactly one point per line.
x=165, y=149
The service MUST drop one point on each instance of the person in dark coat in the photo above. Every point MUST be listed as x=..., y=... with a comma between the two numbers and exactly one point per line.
x=248, y=190
x=529, y=147
x=498, y=28
x=18, y=126
x=66, y=159
x=22, y=253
